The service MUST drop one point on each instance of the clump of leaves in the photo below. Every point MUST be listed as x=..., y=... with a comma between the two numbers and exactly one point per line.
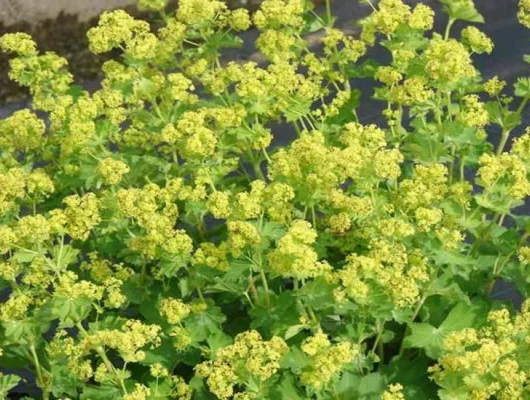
x=157, y=243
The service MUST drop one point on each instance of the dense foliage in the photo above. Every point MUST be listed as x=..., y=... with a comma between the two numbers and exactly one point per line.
x=157, y=243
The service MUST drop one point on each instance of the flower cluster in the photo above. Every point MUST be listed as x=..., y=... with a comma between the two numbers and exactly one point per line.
x=486, y=361
x=249, y=357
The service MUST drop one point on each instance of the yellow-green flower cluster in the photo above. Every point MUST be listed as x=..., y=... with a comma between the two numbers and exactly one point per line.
x=484, y=362
x=391, y=15
x=506, y=170
x=474, y=112
x=22, y=131
x=521, y=146
x=164, y=195
x=212, y=256
x=342, y=48
x=239, y=20
x=523, y=14
x=388, y=266
x=476, y=40
x=448, y=61
x=242, y=235
x=200, y=12
x=16, y=307
x=20, y=43
x=394, y=392
x=279, y=13
x=428, y=186
x=249, y=354
x=524, y=255
x=112, y=170
x=81, y=215
x=427, y=218
x=174, y=310
x=153, y=209
x=152, y=5
x=129, y=341
x=294, y=256
x=140, y=392
x=327, y=359
x=32, y=229
x=44, y=75
x=276, y=45
x=413, y=90
x=13, y=187
x=115, y=28
x=494, y=86
x=219, y=204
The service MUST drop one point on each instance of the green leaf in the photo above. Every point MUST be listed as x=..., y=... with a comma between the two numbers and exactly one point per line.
x=318, y=294
x=295, y=360
x=69, y=310
x=161, y=389
x=282, y=314
x=430, y=338
x=413, y=375
x=200, y=390
x=7, y=382
x=348, y=385
x=25, y=256
x=63, y=255
x=366, y=69
x=205, y=323
x=164, y=354
x=295, y=111
x=459, y=10
x=293, y=331
x=64, y=381
x=103, y=392
x=427, y=337
x=461, y=316
x=347, y=109
x=218, y=340
x=522, y=87
x=170, y=264
x=23, y=332
x=287, y=389
x=371, y=384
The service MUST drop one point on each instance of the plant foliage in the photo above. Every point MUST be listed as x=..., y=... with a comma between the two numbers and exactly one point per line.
x=163, y=238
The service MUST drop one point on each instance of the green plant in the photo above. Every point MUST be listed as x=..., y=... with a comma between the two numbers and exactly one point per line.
x=155, y=245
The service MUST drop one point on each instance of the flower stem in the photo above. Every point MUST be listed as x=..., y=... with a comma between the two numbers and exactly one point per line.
x=40, y=378
x=265, y=286
x=504, y=139
x=448, y=28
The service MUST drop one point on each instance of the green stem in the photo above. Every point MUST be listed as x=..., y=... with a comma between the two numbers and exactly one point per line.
x=452, y=164
x=313, y=217
x=381, y=329
x=201, y=295
x=258, y=172
x=265, y=286
x=414, y=315
x=40, y=378
x=448, y=28
x=523, y=105
x=504, y=139
x=328, y=11
x=252, y=288
x=462, y=168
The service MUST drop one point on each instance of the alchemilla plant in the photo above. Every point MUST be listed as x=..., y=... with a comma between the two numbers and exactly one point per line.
x=157, y=243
